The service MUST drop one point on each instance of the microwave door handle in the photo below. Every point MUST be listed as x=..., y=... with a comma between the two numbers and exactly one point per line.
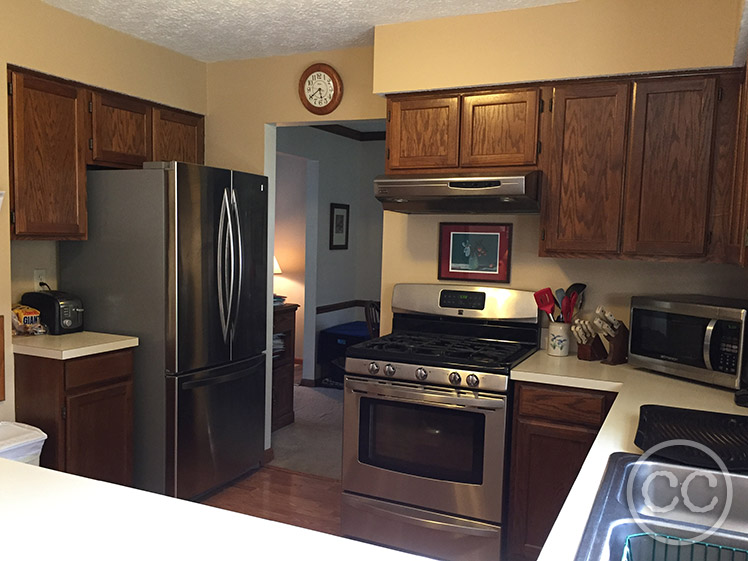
x=708, y=343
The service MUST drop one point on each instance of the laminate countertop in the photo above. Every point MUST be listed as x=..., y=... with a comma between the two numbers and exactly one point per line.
x=635, y=388
x=71, y=345
x=46, y=514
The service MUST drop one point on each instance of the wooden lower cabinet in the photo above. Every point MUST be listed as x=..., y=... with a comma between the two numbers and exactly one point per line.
x=85, y=407
x=284, y=324
x=553, y=429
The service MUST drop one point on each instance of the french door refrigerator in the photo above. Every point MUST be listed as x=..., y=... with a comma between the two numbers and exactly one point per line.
x=177, y=256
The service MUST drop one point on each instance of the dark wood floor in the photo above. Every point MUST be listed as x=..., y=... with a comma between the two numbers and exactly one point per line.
x=275, y=493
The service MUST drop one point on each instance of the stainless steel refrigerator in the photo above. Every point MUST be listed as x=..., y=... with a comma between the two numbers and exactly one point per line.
x=177, y=256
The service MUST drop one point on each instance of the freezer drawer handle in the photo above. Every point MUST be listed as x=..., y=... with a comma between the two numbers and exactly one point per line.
x=407, y=516
x=217, y=380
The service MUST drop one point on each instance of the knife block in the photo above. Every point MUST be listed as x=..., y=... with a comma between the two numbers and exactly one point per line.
x=618, y=349
x=592, y=351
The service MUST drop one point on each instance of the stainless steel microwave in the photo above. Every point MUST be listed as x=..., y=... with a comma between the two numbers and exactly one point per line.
x=701, y=338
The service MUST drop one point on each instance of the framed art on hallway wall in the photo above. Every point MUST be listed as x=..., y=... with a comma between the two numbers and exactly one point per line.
x=474, y=252
x=339, y=218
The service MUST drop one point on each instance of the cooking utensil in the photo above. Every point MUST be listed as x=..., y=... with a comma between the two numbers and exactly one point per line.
x=560, y=293
x=604, y=327
x=546, y=302
x=577, y=335
x=566, y=309
x=579, y=289
x=572, y=304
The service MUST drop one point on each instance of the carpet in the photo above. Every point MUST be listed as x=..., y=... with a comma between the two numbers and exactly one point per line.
x=313, y=443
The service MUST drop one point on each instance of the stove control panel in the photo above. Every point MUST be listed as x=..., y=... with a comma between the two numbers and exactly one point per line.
x=432, y=375
x=462, y=299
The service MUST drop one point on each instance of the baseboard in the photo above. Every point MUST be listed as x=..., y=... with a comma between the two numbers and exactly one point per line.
x=267, y=456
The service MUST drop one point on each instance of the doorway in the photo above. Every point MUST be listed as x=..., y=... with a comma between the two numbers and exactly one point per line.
x=316, y=167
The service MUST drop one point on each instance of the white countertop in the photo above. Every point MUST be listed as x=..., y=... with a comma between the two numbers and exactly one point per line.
x=71, y=345
x=635, y=388
x=45, y=514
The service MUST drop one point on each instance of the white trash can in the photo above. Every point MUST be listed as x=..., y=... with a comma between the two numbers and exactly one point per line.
x=20, y=442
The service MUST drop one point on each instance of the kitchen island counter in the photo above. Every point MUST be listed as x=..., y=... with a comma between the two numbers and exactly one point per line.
x=634, y=388
x=71, y=345
x=50, y=514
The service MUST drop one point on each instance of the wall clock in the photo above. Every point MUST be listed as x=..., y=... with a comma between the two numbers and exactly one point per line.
x=320, y=89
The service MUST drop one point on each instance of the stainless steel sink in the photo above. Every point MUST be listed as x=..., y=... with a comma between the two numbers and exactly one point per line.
x=665, y=499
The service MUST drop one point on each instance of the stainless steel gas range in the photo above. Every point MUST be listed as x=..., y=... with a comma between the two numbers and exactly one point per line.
x=425, y=420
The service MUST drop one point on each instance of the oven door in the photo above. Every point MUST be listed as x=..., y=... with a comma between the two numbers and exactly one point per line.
x=429, y=447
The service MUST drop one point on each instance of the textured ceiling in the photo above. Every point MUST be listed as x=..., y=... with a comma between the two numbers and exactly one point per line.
x=213, y=30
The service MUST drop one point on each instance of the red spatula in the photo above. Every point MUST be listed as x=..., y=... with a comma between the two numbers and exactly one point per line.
x=545, y=301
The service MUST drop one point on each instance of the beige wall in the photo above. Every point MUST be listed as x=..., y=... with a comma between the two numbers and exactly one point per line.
x=37, y=36
x=245, y=95
x=583, y=38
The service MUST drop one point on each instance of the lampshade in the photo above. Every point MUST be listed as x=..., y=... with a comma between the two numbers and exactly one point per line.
x=276, y=267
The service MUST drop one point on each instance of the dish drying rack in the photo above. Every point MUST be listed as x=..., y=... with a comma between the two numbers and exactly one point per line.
x=661, y=547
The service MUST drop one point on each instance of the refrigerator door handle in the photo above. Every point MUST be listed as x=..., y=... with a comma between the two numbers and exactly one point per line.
x=221, y=263
x=238, y=271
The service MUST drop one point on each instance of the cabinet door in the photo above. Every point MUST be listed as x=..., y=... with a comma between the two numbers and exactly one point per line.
x=499, y=129
x=178, y=136
x=583, y=210
x=121, y=130
x=423, y=133
x=668, y=181
x=48, y=162
x=99, y=434
x=546, y=458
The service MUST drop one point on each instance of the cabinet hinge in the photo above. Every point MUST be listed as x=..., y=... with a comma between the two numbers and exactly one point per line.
x=542, y=234
x=389, y=116
x=720, y=94
x=540, y=146
x=541, y=105
x=388, y=153
x=90, y=106
x=13, y=221
x=90, y=143
x=10, y=88
x=550, y=106
x=64, y=412
x=708, y=238
x=745, y=241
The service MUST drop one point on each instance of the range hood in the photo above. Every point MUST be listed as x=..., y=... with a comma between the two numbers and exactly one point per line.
x=456, y=195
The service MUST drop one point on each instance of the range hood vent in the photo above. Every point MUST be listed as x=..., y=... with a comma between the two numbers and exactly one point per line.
x=457, y=195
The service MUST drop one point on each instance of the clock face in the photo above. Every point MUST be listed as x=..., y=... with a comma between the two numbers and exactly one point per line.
x=319, y=89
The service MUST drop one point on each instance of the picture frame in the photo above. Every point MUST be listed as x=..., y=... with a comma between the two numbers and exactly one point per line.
x=339, y=225
x=475, y=252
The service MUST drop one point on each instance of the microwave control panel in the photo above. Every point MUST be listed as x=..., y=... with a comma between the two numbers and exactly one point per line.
x=725, y=346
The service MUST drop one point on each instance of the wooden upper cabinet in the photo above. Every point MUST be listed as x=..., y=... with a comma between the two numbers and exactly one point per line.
x=423, y=132
x=668, y=173
x=178, y=135
x=583, y=211
x=121, y=128
x=499, y=129
x=48, y=161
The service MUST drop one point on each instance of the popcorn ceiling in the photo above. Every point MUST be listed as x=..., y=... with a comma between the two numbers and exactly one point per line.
x=213, y=30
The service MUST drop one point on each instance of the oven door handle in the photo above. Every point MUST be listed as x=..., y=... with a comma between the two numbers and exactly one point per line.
x=409, y=516
x=373, y=388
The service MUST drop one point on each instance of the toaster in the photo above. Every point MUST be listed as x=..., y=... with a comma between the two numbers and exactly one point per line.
x=60, y=311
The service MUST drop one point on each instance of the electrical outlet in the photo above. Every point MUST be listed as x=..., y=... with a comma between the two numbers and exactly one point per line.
x=40, y=275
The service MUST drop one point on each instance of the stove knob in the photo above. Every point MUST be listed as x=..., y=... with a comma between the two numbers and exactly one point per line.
x=421, y=374
x=472, y=380
x=389, y=370
x=454, y=378
x=373, y=368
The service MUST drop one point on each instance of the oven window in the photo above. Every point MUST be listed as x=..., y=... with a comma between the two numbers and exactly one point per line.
x=422, y=440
